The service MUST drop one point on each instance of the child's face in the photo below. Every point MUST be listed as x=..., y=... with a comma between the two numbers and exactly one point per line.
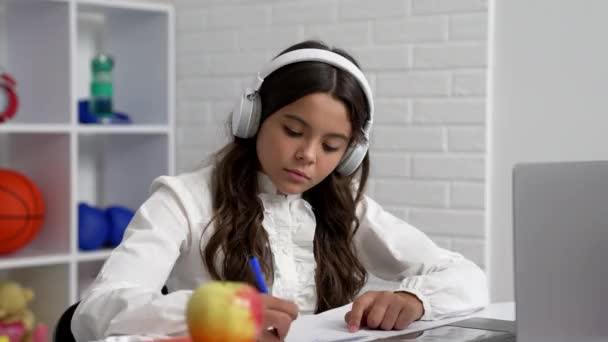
x=302, y=143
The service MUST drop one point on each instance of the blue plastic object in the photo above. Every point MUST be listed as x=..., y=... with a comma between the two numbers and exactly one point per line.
x=86, y=117
x=119, y=218
x=254, y=264
x=93, y=227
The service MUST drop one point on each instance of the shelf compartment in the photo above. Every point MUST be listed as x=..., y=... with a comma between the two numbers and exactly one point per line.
x=141, y=73
x=87, y=272
x=118, y=169
x=51, y=290
x=44, y=159
x=39, y=59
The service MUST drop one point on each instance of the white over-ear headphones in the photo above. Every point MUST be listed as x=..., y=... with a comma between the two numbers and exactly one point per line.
x=248, y=109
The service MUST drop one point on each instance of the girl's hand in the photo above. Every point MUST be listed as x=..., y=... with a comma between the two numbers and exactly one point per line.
x=278, y=315
x=384, y=310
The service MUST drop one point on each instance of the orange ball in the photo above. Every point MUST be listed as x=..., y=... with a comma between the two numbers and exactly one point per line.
x=21, y=212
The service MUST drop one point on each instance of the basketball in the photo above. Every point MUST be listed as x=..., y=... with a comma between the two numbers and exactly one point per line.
x=21, y=211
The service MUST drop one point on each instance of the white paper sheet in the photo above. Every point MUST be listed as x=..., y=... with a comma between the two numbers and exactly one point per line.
x=330, y=326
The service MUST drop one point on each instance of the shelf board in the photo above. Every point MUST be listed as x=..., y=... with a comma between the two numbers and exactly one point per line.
x=41, y=260
x=34, y=128
x=129, y=5
x=84, y=129
x=98, y=255
x=123, y=129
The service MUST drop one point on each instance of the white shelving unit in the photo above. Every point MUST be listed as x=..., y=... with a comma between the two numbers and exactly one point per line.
x=48, y=46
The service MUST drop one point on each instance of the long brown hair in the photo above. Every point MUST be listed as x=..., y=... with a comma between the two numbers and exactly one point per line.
x=238, y=212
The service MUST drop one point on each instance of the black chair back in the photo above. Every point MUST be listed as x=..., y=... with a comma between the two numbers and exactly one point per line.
x=63, y=330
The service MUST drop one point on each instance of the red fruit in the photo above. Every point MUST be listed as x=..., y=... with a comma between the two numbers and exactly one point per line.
x=225, y=311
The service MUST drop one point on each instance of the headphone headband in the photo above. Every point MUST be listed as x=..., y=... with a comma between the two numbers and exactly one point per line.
x=318, y=55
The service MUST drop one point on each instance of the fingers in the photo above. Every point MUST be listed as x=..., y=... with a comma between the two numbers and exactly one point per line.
x=377, y=312
x=390, y=316
x=277, y=320
x=381, y=310
x=278, y=316
x=355, y=316
x=287, y=307
x=403, y=320
x=268, y=336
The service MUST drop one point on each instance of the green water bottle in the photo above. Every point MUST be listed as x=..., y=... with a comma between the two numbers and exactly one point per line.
x=100, y=103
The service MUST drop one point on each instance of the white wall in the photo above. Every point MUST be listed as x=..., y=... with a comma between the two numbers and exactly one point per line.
x=2, y=34
x=426, y=61
x=547, y=102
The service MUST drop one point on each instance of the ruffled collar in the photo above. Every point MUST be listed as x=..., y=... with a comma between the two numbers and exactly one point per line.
x=266, y=186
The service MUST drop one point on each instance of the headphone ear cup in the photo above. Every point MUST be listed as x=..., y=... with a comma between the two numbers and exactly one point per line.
x=246, y=116
x=352, y=158
x=256, y=114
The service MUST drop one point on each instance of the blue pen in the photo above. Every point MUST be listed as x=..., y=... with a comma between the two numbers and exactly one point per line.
x=259, y=279
x=259, y=276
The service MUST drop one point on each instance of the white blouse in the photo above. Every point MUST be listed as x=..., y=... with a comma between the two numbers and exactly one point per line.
x=163, y=244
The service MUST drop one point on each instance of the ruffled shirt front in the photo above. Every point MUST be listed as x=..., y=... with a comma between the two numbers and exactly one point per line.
x=163, y=243
x=290, y=224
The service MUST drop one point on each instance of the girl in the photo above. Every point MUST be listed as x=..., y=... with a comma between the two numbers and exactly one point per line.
x=288, y=189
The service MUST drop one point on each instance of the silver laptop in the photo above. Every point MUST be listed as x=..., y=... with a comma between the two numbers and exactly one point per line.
x=561, y=251
x=560, y=215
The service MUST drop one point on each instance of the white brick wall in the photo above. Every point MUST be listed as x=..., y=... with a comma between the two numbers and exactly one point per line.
x=449, y=111
x=426, y=61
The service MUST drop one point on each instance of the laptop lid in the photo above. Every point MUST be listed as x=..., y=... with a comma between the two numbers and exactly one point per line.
x=561, y=251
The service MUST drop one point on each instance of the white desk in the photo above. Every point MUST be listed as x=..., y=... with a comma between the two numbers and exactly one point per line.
x=504, y=311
